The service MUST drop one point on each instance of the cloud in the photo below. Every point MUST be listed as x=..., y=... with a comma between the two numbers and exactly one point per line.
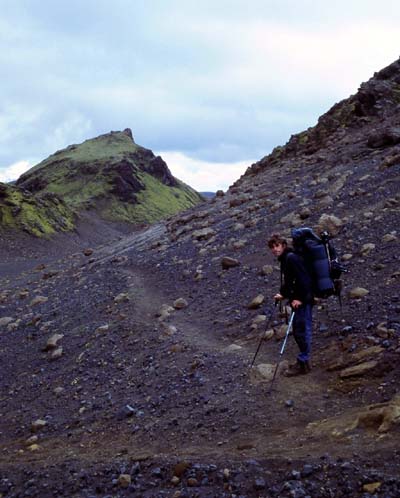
x=204, y=176
x=72, y=125
x=14, y=171
x=219, y=82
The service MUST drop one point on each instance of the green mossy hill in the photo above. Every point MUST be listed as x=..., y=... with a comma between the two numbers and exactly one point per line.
x=41, y=215
x=114, y=176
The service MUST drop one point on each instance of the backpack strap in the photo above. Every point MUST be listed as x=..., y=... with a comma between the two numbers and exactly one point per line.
x=280, y=302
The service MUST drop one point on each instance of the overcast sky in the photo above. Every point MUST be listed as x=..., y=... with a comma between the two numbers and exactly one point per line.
x=210, y=85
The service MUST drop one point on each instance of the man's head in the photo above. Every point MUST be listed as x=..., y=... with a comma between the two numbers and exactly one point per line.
x=277, y=244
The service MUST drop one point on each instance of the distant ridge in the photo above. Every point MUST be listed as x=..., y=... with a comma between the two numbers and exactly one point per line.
x=207, y=195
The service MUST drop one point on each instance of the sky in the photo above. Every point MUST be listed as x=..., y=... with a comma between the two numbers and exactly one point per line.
x=212, y=86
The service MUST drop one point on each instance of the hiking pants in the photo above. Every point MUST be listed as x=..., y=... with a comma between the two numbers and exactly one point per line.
x=302, y=331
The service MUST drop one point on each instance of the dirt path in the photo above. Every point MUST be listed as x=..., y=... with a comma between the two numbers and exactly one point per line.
x=281, y=426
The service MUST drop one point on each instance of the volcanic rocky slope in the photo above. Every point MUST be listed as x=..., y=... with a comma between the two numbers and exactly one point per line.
x=126, y=368
x=108, y=178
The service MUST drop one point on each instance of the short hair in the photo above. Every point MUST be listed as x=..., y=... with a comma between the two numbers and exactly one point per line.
x=276, y=239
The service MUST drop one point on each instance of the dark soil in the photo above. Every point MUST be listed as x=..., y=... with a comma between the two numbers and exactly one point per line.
x=138, y=401
x=167, y=400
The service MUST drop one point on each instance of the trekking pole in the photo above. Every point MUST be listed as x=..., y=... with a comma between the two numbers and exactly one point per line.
x=282, y=350
x=262, y=338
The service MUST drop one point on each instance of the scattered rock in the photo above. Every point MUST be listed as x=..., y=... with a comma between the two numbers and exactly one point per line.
x=38, y=300
x=291, y=219
x=256, y=302
x=232, y=348
x=169, y=330
x=259, y=319
x=239, y=244
x=358, y=370
x=259, y=484
x=32, y=440
x=305, y=213
x=198, y=275
x=177, y=348
x=330, y=223
x=358, y=292
x=5, y=321
x=382, y=330
x=267, y=270
x=228, y=262
x=238, y=201
x=280, y=331
x=56, y=354
x=203, y=234
x=164, y=312
x=49, y=274
x=53, y=341
x=381, y=417
x=269, y=334
x=238, y=226
x=126, y=412
x=14, y=325
x=122, y=297
x=371, y=487
x=103, y=328
x=180, y=468
x=38, y=424
x=124, y=480
x=180, y=303
x=265, y=371
x=307, y=470
x=384, y=138
x=367, y=248
x=389, y=237
x=367, y=353
x=390, y=161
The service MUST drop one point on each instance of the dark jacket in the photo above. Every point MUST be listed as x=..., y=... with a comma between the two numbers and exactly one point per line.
x=296, y=282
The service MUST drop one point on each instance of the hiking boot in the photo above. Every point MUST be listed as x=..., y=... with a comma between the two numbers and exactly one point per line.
x=298, y=368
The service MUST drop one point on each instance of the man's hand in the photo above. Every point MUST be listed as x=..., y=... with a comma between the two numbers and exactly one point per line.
x=278, y=297
x=295, y=304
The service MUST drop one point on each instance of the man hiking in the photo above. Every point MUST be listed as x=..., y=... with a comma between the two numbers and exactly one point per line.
x=296, y=286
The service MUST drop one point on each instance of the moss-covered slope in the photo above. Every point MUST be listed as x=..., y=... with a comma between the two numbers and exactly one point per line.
x=113, y=176
x=40, y=215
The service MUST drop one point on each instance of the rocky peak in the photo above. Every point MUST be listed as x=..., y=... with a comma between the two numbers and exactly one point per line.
x=112, y=176
x=128, y=132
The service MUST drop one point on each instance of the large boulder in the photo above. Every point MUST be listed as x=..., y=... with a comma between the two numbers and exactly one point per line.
x=386, y=138
x=329, y=223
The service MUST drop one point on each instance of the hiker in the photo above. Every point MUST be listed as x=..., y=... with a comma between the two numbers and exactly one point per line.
x=296, y=286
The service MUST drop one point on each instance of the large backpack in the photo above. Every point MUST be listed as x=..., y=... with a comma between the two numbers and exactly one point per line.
x=320, y=259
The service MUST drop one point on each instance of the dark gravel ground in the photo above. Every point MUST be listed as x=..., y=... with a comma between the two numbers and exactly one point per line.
x=135, y=404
